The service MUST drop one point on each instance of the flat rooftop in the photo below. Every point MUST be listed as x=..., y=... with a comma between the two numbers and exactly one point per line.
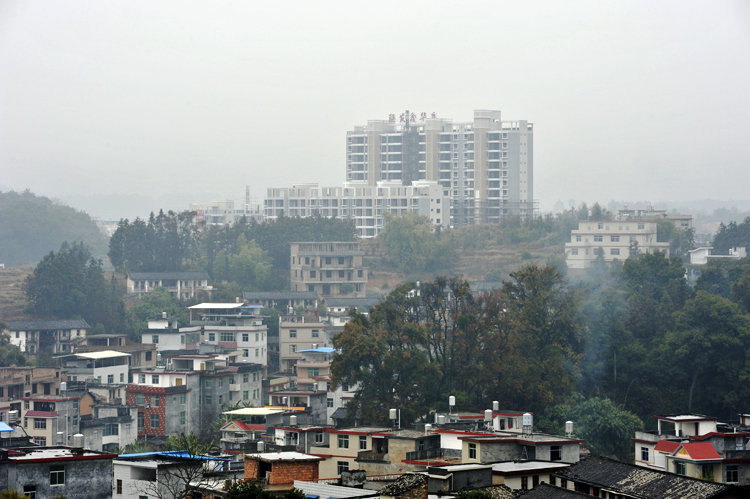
x=56, y=453
x=523, y=466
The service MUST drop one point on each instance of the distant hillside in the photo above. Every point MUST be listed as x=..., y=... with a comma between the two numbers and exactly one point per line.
x=32, y=226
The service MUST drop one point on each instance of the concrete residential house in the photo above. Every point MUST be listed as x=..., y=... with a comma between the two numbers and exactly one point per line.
x=18, y=382
x=294, y=335
x=233, y=326
x=179, y=284
x=105, y=366
x=109, y=427
x=57, y=471
x=611, y=238
x=54, y=335
x=535, y=446
x=344, y=445
x=281, y=468
x=330, y=269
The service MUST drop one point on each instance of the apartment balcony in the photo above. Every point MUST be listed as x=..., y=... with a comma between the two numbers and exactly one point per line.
x=313, y=363
x=653, y=436
x=234, y=387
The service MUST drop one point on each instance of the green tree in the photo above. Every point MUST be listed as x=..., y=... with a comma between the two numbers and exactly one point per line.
x=680, y=240
x=411, y=246
x=730, y=236
x=606, y=427
x=69, y=284
x=10, y=355
x=152, y=305
x=251, y=490
x=708, y=346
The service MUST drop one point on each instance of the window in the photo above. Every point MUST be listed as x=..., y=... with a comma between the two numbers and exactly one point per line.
x=329, y=402
x=342, y=466
x=598, y=239
x=343, y=441
x=110, y=378
x=245, y=377
x=154, y=421
x=208, y=383
x=182, y=398
x=155, y=400
x=140, y=421
x=245, y=337
x=472, y=451
x=614, y=239
x=614, y=251
x=140, y=399
x=733, y=473
x=111, y=429
x=313, y=274
x=524, y=483
x=362, y=442
x=40, y=441
x=148, y=356
x=122, y=377
x=142, y=379
x=641, y=226
x=679, y=468
x=29, y=490
x=632, y=239
x=246, y=395
x=119, y=486
x=246, y=352
x=578, y=239
x=574, y=251
x=57, y=474
x=182, y=418
x=313, y=372
x=318, y=437
x=555, y=453
x=315, y=333
x=127, y=428
x=154, y=379
x=154, y=338
x=292, y=333
x=221, y=399
x=644, y=454
x=225, y=336
x=208, y=400
x=600, y=226
x=292, y=348
x=40, y=424
x=211, y=336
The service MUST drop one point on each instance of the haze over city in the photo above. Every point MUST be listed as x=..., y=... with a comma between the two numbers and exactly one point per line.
x=189, y=101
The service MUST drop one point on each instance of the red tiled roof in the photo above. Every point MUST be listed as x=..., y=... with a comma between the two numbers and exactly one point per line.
x=250, y=427
x=667, y=446
x=41, y=414
x=700, y=450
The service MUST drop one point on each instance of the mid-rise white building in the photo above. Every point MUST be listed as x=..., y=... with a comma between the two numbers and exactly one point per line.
x=613, y=239
x=225, y=212
x=364, y=204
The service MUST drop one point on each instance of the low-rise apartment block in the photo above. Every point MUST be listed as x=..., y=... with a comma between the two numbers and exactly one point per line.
x=54, y=335
x=179, y=284
x=366, y=205
x=294, y=335
x=612, y=239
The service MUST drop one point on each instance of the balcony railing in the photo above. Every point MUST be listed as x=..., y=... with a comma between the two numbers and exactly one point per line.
x=424, y=454
x=371, y=456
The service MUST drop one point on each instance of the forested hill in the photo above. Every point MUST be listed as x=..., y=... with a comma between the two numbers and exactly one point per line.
x=31, y=226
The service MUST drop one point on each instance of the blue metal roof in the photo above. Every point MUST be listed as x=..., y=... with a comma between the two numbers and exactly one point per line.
x=176, y=453
x=5, y=427
x=319, y=350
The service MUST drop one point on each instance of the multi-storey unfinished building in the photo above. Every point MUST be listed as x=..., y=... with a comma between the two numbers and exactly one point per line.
x=330, y=269
x=485, y=165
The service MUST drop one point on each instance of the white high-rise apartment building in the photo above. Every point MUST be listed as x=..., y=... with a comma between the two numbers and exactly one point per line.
x=487, y=165
x=363, y=203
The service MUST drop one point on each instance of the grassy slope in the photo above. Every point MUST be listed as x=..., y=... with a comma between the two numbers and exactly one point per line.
x=12, y=297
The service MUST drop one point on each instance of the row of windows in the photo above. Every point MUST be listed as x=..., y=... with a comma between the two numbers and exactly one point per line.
x=612, y=251
x=343, y=442
x=600, y=239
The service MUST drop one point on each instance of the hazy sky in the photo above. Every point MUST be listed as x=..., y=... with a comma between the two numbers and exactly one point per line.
x=194, y=100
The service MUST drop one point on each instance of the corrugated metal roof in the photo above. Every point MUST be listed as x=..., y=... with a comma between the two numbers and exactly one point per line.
x=332, y=491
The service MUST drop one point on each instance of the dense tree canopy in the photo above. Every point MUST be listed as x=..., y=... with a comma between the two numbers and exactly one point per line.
x=164, y=243
x=411, y=245
x=730, y=236
x=70, y=284
x=519, y=345
x=31, y=226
